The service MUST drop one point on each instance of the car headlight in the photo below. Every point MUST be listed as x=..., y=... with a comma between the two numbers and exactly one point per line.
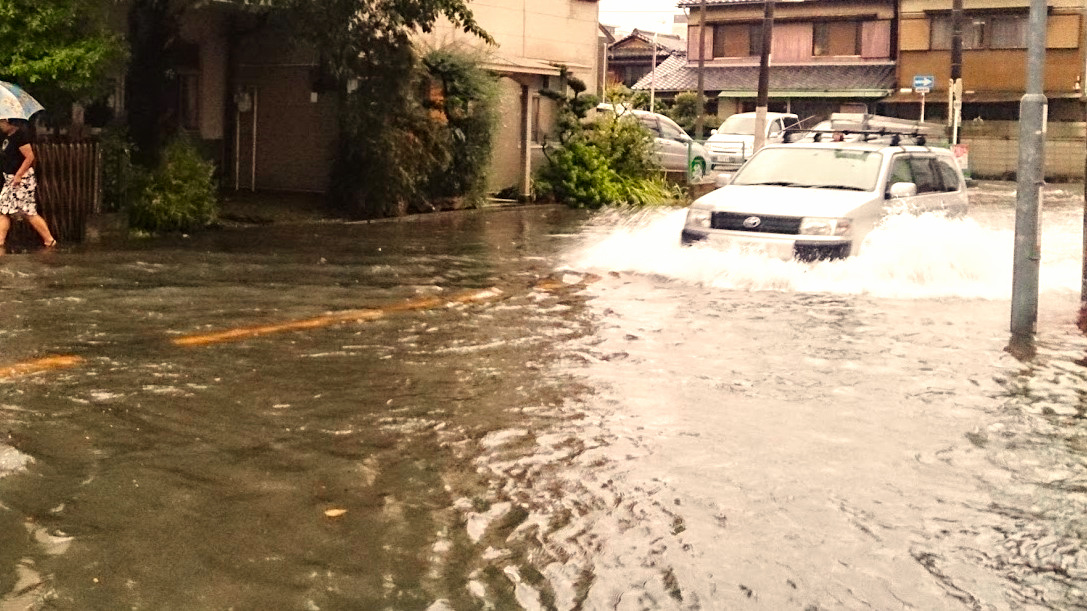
x=812, y=225
x=697, y=217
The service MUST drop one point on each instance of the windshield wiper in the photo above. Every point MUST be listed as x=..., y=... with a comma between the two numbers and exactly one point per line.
x=777, y=183
x=842, y=187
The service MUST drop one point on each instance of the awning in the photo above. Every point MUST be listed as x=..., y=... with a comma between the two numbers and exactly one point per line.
x=977, y=97
x=521, y=65
x=799, y=93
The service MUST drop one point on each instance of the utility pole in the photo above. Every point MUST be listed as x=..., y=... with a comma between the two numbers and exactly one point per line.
x=653, y=77
x=1030, y=177
x=764, y=75
x=699, y=120
x=954, y=89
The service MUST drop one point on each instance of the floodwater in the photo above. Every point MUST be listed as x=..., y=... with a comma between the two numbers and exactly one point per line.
x=537, y=408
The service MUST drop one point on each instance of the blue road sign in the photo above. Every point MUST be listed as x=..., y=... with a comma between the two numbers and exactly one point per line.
x=923, y=81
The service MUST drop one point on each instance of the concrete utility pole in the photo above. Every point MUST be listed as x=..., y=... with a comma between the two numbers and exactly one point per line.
x=699, y=120
x=954, y=89
x=1030, y=178
x=653, y=77
x=764, y=75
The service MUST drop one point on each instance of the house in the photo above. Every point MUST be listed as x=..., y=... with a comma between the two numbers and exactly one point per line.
x=994, y=38
x=633, y=56
x=263, y=110
x=827, y=55
x=535, y=43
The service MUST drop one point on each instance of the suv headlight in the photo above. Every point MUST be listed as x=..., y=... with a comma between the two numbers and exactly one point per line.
x=697, y=217
x=812, y=225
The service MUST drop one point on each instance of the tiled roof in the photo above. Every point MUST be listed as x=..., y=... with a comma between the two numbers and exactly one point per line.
x=697, y=3
x=666, y=43
x=874, y=80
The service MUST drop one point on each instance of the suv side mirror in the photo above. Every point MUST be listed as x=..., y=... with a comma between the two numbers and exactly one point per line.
x=722, y=180
x=902, y=189
x=713, y=132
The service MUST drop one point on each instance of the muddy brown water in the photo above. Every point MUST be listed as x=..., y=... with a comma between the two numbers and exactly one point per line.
x=625, y=425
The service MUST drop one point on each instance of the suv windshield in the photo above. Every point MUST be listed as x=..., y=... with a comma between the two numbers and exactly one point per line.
x=829, y=168
x=738, y=125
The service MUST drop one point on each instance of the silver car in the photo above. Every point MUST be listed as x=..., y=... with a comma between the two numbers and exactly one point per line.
x=820, y=200
x=673, y=148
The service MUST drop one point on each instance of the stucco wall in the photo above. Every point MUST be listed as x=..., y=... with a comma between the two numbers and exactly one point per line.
x=562, y=31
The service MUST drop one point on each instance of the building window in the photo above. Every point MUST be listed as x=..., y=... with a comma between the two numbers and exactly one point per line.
x=836, y=38
x=982, y=32
x=741, y=40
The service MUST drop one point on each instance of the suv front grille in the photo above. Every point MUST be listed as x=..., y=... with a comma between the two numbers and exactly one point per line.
x=734, y=221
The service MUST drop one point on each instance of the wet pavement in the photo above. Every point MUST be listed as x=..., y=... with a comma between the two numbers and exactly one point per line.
x=537, y=408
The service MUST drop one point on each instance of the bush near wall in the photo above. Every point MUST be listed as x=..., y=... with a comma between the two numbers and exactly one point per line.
x=179, y=195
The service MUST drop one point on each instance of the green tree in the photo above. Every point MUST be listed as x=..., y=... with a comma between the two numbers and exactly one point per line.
x=684, y=111
x=59, y=50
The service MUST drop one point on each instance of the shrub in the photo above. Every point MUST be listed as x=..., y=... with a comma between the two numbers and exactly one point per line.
x=179, y=195
x=469, y=107
x=428, y=134
x=608, y=161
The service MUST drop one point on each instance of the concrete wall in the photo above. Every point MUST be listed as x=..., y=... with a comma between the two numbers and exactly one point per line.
x=994, y=149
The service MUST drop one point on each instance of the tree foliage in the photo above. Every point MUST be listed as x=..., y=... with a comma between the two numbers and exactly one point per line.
x=387, y=144
x=59, y=50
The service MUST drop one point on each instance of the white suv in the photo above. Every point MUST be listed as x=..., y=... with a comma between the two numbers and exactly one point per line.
x=820, y=200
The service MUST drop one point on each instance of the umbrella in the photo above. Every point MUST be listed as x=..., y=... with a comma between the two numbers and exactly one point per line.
x=16, y=103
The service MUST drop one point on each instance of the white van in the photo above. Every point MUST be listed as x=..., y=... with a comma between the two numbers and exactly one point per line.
x=734, y=142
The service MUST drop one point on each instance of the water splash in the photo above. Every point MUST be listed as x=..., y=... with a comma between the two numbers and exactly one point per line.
x=907, y=257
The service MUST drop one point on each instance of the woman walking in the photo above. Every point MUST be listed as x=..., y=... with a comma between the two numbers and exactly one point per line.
x=19, y=195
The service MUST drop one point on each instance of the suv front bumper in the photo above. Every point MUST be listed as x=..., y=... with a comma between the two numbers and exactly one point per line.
x=808, y=248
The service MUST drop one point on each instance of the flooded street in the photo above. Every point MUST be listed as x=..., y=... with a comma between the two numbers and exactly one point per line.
x=538, y=408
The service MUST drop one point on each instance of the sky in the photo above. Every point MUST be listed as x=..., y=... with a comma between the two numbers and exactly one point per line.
x=642, y=14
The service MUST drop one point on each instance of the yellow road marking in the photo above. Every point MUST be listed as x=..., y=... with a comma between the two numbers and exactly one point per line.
x=38, y=365
x=332, y=318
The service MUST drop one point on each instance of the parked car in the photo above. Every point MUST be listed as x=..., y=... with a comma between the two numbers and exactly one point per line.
x=673, y=148
x=820, y=200
x=734, y=142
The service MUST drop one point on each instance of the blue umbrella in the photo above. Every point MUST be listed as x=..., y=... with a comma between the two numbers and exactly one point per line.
x=16, y=103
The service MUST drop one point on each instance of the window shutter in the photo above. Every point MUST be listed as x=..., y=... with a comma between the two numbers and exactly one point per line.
x=693, y=34
x=876, y=39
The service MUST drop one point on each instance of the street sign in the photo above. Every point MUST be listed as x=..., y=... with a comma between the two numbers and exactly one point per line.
x=923, y=83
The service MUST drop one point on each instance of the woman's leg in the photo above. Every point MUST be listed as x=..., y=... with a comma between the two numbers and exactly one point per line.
x=39, y=225
x=5, y=225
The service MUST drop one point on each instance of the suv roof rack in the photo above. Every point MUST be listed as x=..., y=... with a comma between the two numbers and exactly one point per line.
x=867, y=127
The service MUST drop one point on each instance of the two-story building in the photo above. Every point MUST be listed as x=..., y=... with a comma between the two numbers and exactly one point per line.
x=828, y=55
x=634, y=56
x=535, y=41
x=994, y=49
x=244, y=87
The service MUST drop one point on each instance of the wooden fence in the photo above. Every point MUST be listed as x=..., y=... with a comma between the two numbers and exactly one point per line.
x=69, y=190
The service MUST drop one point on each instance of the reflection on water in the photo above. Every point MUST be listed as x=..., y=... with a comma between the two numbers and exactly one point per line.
x=649, y=428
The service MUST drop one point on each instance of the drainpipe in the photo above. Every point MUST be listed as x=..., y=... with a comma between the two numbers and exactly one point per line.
x=526, y=142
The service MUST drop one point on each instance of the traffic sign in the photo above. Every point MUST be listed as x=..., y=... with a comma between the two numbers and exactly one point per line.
x=923, y=83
